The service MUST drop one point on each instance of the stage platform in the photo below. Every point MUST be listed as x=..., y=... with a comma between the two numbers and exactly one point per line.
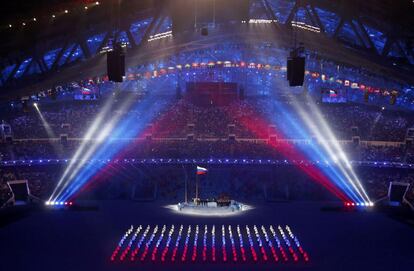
x=210, y=209
x=85, y=239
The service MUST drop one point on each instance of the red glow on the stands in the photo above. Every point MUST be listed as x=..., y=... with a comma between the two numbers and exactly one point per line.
x=259, y=128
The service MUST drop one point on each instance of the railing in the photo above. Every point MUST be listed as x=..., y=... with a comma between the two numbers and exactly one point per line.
x=213, y=139
x=203, y=161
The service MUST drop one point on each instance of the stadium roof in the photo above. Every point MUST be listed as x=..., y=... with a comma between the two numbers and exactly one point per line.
x=42, y=37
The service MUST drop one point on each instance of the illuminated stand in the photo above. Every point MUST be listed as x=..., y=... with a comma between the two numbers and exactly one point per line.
x=208, y=207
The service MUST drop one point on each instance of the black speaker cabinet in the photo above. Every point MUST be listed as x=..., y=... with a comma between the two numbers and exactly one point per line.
x=296, y=71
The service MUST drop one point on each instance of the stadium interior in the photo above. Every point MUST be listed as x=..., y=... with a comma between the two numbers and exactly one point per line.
x=207, y=134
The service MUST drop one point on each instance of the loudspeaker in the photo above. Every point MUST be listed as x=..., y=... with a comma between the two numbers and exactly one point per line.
x=116, y=64
x=397, y=191
x=296, y=71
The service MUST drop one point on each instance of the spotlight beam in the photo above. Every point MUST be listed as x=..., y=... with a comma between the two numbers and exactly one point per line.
x=331, y=170
x=337, y=148
x=100, y=137
x=127, y=128
x=48, y=129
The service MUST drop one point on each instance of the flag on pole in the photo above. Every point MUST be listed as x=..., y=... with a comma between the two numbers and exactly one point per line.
x=201, y=170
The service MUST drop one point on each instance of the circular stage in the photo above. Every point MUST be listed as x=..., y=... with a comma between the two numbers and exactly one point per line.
x=209, y=209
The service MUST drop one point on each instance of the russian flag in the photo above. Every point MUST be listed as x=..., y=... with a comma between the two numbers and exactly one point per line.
x=201, y=170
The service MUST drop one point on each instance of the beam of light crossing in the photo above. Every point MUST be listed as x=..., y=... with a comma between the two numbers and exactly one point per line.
x=290, y=152
x=127, y=128
x=93, y=129
x=160, y=123
x=94, y=145
x=336, y=149
x=313, y=151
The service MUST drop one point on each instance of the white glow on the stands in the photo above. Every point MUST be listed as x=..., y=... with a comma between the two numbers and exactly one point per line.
x=97, y=123
x=328, y=140
x=98, y=133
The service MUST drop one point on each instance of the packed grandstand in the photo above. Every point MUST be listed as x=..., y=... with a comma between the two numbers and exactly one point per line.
x=376, y=134
x=204, y=133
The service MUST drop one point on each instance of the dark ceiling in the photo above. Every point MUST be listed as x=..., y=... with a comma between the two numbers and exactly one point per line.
x=390, y=16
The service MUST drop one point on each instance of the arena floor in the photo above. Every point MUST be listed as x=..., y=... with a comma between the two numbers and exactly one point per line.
x=85, y=239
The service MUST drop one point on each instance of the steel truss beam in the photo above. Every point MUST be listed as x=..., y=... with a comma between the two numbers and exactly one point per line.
x=310, y=12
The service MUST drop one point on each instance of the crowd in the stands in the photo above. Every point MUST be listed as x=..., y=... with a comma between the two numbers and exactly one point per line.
x=251, y=121
x=249, y=118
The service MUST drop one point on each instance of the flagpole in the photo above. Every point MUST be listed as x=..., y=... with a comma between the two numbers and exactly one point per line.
x=185, y=185
x=196, y=187
x=186, y=192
